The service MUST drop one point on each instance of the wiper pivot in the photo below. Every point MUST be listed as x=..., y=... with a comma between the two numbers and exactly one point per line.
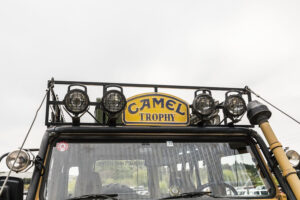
x=187, y=195
x=95, y=196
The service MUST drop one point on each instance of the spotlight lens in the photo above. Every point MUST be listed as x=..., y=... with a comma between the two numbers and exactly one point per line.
x=293, y=157
x=22, y=162
x=235, y=105
x=76, y=101
x=114, y=101
x=204, y=104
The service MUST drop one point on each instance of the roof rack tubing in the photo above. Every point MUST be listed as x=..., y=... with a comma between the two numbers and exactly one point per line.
x=31, y=149
x=47, y=103
x=3, y=156
x=62, y=103
x=97, y=124
x=146, y=85
x=70, y=123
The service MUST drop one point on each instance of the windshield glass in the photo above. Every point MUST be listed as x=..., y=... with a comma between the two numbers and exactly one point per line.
x=152, y=170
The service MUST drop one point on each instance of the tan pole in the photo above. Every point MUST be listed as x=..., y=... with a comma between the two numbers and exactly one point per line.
x=259, y=114
x=287, y=169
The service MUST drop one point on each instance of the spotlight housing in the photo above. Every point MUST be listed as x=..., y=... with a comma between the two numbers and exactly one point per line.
x=294, y=158
x=76, y=101
x=113, y=102
x=21, y=163
x=234, y=105
x=203, y=103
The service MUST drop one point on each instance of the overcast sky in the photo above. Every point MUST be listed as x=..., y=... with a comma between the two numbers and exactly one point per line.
x=211, y=43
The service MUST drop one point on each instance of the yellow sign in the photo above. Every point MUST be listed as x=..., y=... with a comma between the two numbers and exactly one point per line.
x=156, y=109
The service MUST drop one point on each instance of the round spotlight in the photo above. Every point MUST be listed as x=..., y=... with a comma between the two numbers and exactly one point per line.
x=21, y=163
x=113, y=101
x=293, y=157
x=203, y=104
x=235, y=106
x=76, y=101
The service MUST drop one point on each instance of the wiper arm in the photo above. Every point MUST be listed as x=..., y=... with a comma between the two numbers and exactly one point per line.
x=95, y=196
x=187, y=195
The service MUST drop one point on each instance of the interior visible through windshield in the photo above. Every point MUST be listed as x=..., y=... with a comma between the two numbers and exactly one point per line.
x=153, y=170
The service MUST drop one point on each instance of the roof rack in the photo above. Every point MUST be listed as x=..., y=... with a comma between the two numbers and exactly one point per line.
x=55, y=111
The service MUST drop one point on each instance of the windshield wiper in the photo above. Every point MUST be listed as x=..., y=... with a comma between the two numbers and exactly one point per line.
x=187, y=195
x=95, y=196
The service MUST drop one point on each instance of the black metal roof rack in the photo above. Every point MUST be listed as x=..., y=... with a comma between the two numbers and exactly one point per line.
x=55, y=107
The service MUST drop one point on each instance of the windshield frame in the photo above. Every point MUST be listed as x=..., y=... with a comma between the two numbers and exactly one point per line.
x=152, y=137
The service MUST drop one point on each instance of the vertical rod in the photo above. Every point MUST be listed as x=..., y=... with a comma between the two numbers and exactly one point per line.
x=103, y=113
x=47, y=105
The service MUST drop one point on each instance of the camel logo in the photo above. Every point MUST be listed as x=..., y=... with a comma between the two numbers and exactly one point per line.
x=157, y=109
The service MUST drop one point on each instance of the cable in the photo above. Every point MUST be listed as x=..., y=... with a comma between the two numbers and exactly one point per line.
x=6, y=179
x=251, y=91
x=94, y=117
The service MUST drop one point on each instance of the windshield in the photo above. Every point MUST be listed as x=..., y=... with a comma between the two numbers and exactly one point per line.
x=153, y=170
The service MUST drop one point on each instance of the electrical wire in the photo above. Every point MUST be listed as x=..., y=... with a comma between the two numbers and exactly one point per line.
x=8, y=175
x=258, y=96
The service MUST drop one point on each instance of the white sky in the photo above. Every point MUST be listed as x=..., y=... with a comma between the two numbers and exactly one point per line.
x=211, y=43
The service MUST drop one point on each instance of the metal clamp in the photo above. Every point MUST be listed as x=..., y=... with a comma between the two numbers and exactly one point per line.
x=38, y=162
x=290, y=173
x=275, y=145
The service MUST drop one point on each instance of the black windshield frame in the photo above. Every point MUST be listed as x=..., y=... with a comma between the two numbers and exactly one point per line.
x=188, y=137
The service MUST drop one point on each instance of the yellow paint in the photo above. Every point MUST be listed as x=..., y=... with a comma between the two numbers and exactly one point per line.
x=156, y=109
x=284, y=164
x=37, y=194
x=268, y=169
x=279, y=195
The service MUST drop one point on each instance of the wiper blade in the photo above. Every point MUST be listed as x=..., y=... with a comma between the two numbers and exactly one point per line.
x=187, y=195
x=95, y=196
